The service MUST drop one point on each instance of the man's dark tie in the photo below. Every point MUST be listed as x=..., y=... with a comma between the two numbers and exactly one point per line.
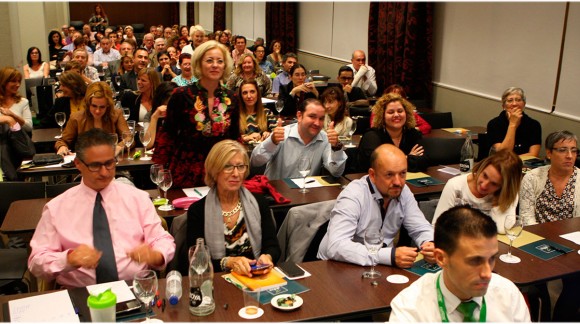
x=107, y=268
x=467, y=308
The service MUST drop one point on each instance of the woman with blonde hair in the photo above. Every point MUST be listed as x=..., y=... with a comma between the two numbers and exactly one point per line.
x=140, y=102
x=99, y=112
x=393, y=124
x=11, y=103
x=256, y=122
x=249, y=69
x=126, y=64
x=491, y=187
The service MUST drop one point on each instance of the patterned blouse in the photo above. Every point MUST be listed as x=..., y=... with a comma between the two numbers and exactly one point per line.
x=238, y=240
x=191, y=129
x=253, y=125
x=550, y=207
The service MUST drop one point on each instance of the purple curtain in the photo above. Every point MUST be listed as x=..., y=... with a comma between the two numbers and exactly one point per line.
x=401, y=46
x=219, y=15
x=281, y=24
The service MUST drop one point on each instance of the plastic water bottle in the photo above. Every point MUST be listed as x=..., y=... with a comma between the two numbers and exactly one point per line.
x=467, y=155
x=173, y=287
x=201, y=302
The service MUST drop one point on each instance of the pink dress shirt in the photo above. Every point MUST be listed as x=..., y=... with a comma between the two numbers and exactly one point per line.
x=67, y=222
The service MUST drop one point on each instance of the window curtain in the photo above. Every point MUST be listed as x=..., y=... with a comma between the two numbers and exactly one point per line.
x=190, y=8
x=174, y=13
x=219, y=16
x=400, y=46
x=281, y=24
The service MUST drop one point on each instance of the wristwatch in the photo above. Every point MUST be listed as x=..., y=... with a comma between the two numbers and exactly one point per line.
x=338, y=147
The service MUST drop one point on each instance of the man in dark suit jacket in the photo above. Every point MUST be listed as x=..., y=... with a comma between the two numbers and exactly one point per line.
x=15, y=145
x=141, y=60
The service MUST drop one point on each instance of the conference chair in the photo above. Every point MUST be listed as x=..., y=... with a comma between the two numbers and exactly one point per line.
x=438, y=119
x=15, y=190
x=56, y=189
x=443, y=150
x=302, y=230
x=77, y=24
x=483, y=146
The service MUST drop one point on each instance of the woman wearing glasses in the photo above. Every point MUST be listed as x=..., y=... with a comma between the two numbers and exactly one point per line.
x=98, y=113
x=513, y=129
x=245, y=234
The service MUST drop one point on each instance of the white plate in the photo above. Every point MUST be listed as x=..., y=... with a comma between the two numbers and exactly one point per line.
x=243, y=314
x=397, y=279
x=297, y=302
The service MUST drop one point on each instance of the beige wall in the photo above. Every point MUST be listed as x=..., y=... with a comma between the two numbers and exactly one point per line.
x=325, y=65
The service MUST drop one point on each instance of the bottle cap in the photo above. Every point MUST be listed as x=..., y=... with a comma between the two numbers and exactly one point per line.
x=173, y=300
x=102, y=299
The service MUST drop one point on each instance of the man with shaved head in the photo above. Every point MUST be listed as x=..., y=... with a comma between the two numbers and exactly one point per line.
x=378, y=200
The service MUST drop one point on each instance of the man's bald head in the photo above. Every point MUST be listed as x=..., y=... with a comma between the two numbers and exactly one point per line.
x=385, y=153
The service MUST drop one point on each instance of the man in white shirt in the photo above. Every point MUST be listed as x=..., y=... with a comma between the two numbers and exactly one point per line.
x=148, y=41
x=364, y=77
x=282, y=150
x=105, y=54
x=465, y=290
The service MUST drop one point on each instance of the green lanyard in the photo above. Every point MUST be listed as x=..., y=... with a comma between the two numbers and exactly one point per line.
x=443, y=309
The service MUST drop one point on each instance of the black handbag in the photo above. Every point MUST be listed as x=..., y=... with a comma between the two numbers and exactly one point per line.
x=47, y=159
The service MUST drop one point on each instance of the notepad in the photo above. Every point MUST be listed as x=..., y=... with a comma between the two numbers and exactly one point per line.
x=52, y=307
x=266, y=281
x=524, y=238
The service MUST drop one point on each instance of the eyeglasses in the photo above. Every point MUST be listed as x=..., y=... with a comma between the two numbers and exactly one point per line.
x=563, y=150
x=346, y=78
x=96, y=166
x=228, y=168
x=512, y=100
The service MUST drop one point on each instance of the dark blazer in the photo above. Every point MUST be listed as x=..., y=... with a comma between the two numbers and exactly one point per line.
x=60, y=105
x=129, y=81
x=133, y=101
x=14, y=147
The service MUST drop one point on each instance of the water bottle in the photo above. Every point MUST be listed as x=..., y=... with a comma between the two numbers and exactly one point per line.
x=173, y=287
x=201, y=302
x=467, y=155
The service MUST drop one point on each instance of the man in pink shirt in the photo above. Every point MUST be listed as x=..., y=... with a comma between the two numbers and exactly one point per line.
x=63, y=243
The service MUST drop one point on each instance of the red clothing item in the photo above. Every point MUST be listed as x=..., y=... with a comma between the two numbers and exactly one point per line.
x=261, y=184
x=420, y=123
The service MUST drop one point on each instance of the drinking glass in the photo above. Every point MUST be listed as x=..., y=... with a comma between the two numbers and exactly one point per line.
x=304, y=169
x=128, y=139
x=513, y=228
x=165, y=182
x=60, y=118
x=115, y=138
x=154, y=176
x=118, y=80
x=119, y=105
x=373, y=243
x=145, y=286
x=279, y=106
x=145, y=138
x=132, y=125
x=351, y=132
x=126, y=113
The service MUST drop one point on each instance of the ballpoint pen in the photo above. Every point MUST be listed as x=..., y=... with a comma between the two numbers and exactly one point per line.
x=310, y=181
x=557, y=249
x=197, y=192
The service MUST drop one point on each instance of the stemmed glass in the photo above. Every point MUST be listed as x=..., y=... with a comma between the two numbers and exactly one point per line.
x=128, y=139
x=60, y=118
x=118, y=80
x=165, y=182
x=126, y=113
x=145, y=138
x=115, y=138
x=351, y=132
x=145, y=286
x=304, y=169
x=513, y=228
x=279, y=106
x=373, y=243
x=154, y=175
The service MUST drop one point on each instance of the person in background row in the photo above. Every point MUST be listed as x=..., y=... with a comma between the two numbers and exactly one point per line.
x=183, y=41
x=198, y=116
x=513, y=129
x=126, y=64
x=196, y=34
x=186, y=77
x=275, y=57
x=11, y=103
x=256, y=122
x=288, y=61
x=466, y=290
x=184, y=32
x=364, y=74
x=80, y=243
x=140, y=102
x=258, y=42
x=223, y=38
x=492, y=187
x=248, y=69
x=140, y=61
x=105, y=54
x=129, y=33
x=54, y=44
x=239, y=49
x=354, y=95
x=99, y=21
x=155, y=118
x=420, y=124
x=35, y=68
x=265, y=65
x=333, y=101
x=73, y=89
x=167, y=71
x=297, y=91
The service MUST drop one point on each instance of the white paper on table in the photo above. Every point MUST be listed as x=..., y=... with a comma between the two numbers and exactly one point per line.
x=190, y=192
x=574, y=237
x=267, y=100
x=52, y=307
x=119, y=288
x=310, y=182
x=450, y=170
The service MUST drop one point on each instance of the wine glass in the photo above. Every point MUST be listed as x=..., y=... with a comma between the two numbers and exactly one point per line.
x=145, y=286
x=373, y=243
x=145, y=138
x=165, y=182
x=513, y=228
x=154, y=176
x=279, y=106
x=60, y=118
x=351, y=132
x=304, y=169
x=126, y=112
x=128, y=139
x=118, y=80
x=115, y=139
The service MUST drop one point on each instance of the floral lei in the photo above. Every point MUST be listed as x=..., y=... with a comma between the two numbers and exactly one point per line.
x=218, y=121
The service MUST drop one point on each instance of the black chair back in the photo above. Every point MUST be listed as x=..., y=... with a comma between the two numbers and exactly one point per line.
x=443, y=150
x=14, y=190
x=438, y=119
x=483, y=146
x=56, y=189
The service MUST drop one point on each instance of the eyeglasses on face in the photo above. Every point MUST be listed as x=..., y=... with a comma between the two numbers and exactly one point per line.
x=512, y=100
x=562, y=150
x=96, y=166
x=228, y=168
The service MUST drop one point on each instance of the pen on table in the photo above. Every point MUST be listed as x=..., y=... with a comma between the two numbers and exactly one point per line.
x=77, y=311
x=558, y=249
x=197, y=192
x=310, y=181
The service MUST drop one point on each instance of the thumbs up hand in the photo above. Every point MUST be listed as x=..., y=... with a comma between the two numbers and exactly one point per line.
x=332, y=135
x=278, y=133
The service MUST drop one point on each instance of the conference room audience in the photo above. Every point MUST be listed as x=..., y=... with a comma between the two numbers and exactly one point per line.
x=155, y=118
x=256, y=121
x=168, y=71
x=54, y=44
x=492, y=187
x=466, y=290
x=73, y=89
x=99, y=113
x=12, y=104
x=334, y=102
x=394, y=124
x=297, y=91
x=288, y=61
x=248, y=69
x=420, y=124
x=275, y=57
x=284, y=148
x=186, y=77
x=265, y=65
x=80, y=243
x=35, y=67
x=513, y=129
x=378, y=200
x=246, y=234
x=140, y=102
x=198, y=116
